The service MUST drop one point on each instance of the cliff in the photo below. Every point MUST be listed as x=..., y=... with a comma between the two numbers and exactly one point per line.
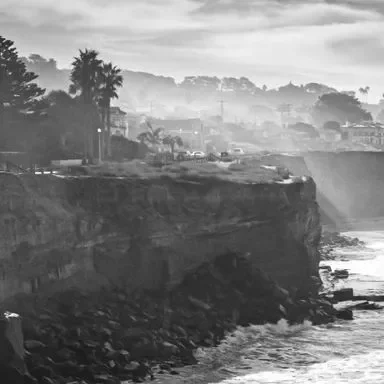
x=148, y=233
x=352, y=181
x=322, y=172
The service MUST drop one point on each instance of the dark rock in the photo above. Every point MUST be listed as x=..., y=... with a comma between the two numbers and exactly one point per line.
x=48, y=380
x=344, y=294
x=369, y=297
x=42, y=371
x=180, y=330
x=144, y=349
x=345, y=314
x=187, y=356
x=199, y=304
x=340, y=274
x=12, y=365
x=34, y=344
x=64, y=354
x=366, y=306
x=167, y=350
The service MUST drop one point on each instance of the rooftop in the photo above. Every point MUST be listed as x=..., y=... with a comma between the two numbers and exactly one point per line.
x=364, y=124
x=117, y=110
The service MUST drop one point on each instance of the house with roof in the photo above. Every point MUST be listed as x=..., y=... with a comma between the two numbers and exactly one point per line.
x=366, y=132
x=191, y=131
x=119, y=122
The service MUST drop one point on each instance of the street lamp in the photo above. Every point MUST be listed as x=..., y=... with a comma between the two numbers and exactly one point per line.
x=99, y=132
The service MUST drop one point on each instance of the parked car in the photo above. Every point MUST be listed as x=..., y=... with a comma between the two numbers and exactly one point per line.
x=198, y=155
x=236, y=151
x=182, y=155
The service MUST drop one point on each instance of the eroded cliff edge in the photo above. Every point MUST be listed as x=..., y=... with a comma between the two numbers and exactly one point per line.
x=149, y=233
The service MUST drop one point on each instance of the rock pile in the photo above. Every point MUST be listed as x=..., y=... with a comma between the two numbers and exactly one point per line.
x=332, y=240
x=113, y=338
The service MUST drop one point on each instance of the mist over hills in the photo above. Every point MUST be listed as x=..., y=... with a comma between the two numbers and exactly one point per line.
x=197, y=96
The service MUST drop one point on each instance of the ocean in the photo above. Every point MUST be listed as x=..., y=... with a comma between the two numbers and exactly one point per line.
x=343, y=352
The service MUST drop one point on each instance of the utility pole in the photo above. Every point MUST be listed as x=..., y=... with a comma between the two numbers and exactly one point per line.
x=222, y=109
x=3, y=75
x=285, y=110
x=151, y=107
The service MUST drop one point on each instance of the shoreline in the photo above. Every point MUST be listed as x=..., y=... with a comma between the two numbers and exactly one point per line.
x=111, y=337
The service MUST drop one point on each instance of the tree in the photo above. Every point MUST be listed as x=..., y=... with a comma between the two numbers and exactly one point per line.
x=111, y=79
x=380, y=116
x=308, y=129
x=65, y=114
x=332, y=125
x=18, y=93
x=172, y=141
x=127, y=149
x=364, y=91
x=152, y=136
x=338, y=107
x=86, y=79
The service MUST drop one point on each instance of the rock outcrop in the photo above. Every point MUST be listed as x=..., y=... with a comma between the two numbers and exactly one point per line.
x=148, y=233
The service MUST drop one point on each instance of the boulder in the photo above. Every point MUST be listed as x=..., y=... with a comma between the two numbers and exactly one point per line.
x=344, y=294
x=12, y=366
x=345, y=314
x=340, y=274
x=167, y=350
x=367, y=306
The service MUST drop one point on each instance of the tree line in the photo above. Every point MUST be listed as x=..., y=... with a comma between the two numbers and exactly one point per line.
x=94, y=83
x=33, y=121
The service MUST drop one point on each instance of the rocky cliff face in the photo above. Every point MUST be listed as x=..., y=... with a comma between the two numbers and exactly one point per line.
x=349, y=184
x=319, y=167
x=137, y=233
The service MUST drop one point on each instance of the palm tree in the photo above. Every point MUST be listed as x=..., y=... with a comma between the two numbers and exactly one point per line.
x=152, y=136
x=85, y=78
x=172, y=141
x=364, y=91
x=367, y=89
x=102, y=104
x=111, y=79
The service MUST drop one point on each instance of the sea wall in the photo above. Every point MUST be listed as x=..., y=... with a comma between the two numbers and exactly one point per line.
x=149, y=233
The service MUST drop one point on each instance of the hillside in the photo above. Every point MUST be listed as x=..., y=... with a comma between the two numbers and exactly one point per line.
x=196, y=96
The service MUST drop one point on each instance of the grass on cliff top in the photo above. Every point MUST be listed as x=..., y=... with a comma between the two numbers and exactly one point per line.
x=249, y=171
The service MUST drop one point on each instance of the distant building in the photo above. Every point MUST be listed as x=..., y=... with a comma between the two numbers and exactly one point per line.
x=119, y=122
x=13, y=160
x=367, y=132
x=191, y=131
x=331, y=132
x=330, y=135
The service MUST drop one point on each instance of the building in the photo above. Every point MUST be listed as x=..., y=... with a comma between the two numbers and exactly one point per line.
x=330, y=135
x=119, y=122
x=367, y=132
x=191, y=131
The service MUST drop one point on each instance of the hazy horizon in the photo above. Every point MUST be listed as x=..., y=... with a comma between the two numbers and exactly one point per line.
x=270, y=42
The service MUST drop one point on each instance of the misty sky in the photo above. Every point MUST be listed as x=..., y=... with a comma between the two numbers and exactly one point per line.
x=337, y=42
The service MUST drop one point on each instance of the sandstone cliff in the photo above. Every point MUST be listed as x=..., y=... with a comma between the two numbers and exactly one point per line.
x=141, y=233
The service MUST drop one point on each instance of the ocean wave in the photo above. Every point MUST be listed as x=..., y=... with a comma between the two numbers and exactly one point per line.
x=365, y=368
